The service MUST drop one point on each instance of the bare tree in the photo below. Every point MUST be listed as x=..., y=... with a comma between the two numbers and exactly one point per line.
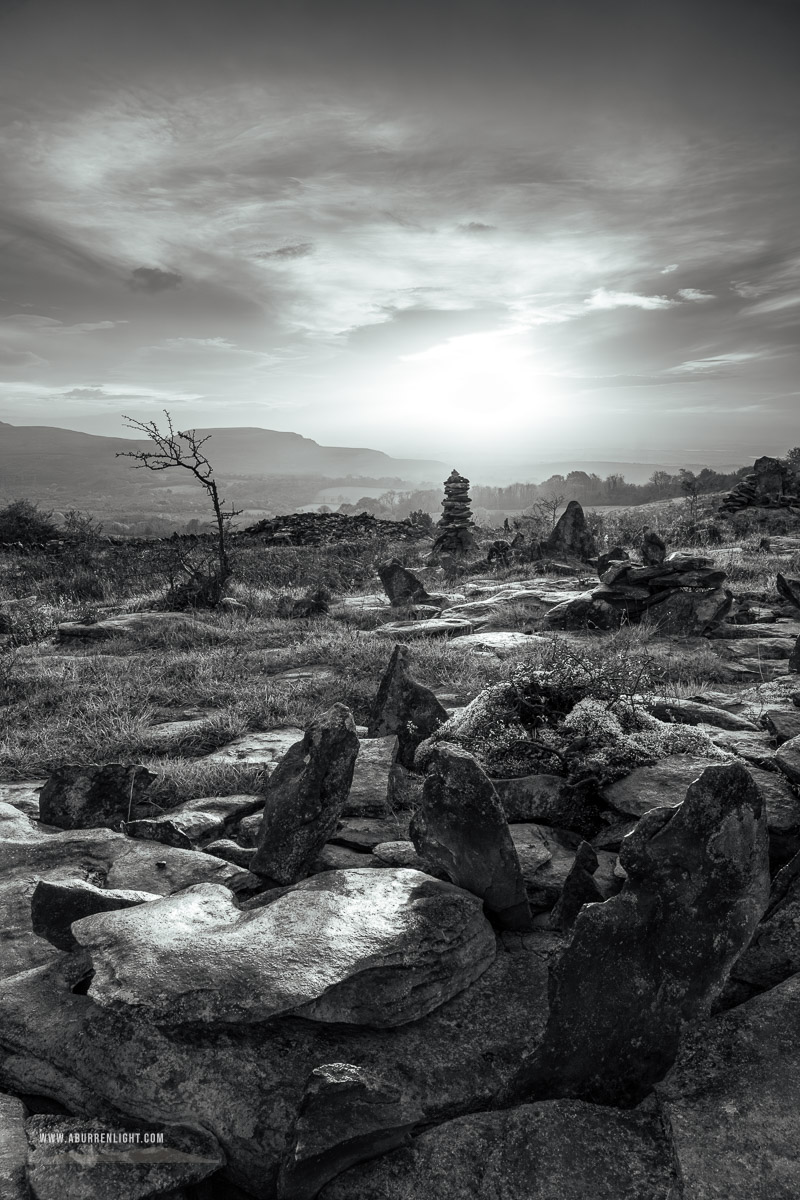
x=175, y=448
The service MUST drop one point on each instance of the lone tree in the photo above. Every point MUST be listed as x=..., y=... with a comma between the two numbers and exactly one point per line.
x=175, y=448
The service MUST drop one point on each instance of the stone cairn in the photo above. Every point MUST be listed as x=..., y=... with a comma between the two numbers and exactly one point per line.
x=684, y=593
x=771, y=484
x=455, y=524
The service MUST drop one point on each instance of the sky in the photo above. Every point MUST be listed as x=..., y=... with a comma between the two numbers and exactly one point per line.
x=472, y=230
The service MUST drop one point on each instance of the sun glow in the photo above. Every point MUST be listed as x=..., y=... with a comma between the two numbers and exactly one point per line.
x=477, y=382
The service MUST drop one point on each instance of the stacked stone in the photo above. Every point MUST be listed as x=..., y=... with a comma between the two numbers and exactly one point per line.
x=771, y=484
x=684, y=592
x=455, y=525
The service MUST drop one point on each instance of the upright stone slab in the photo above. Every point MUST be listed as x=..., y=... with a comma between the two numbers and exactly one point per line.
x=92, y=797
x=655, y=957
x=652, y=549
x=306, y=795
x=461, y=830
x=401, y=585
x=404, y=707
x=571, y=537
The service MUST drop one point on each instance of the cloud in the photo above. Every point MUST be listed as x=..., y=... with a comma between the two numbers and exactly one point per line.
x=476, y=227
x=694, y=295
x=602, y=298
x=298, y=250
x=718, y=363
x=153, y=279
x=668, y=270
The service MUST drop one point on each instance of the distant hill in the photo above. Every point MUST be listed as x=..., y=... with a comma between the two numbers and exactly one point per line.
x=42, y=454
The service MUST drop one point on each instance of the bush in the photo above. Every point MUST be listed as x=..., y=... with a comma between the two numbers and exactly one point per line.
x=22, y=521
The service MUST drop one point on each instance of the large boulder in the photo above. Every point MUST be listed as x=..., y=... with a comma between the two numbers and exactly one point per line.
x=461, y=830
x=89, y=797
x=561, y=1150
x=774, y=953
x=307, y=792
x=360, y=947
x=731, y=1103
x=571, y=537
x=647, y=961
x=196, y=822
x=404, y=707
x=75, y=1159
x=348, y=1114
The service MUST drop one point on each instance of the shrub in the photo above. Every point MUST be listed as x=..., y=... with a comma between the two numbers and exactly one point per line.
x=22, y=521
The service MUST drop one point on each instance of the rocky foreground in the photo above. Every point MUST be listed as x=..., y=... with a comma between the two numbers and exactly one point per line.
x=537, y=947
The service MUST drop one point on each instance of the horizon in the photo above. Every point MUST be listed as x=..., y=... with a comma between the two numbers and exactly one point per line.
x=440, y=234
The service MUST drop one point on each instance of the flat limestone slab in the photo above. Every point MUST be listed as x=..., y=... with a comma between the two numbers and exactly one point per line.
x=435, y=627
x=501, y=642
x=258, y=749
x=359, y=947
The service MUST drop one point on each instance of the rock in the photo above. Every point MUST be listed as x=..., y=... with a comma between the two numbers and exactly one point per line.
x=755, y=748
x=23, y=796
x=730, y=1104
x=579, y=889
x=13, y=1149
x=359, y=947
x=364, y=833
x=692, y=712
x=652, y=549
x=245, y=1085
x=29, y=854
x=232, y=852
x=571, y=537
x=369, y=791
x=548, y=799
x=341, y=858
x=461, y=829
x=607, y=557
x=74, y=1159
x=783, y=814
x=55, y=904
x=402, y=854
x=584, y=612
x=788, y=759
x=774, y=952
x=171, y=627
x=689, y=615
x=561, y=1150
x=610, y=836
x=789, y=590
x=547, y=857
x=91, y=797
x=782, y=724
x=258, y=749
x=646, y=962
x=348, y=1114
x=434, y=627
x=404, y=707
x=664, y=783
x=196, y=821
x=794, y=658
x=401, y=585
x=307, y=792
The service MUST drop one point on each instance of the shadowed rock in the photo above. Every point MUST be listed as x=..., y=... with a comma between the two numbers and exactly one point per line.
x=401, y=585
x=774, y=953
x=647, y=961
x=579, y=889
x=404, y=707
x=348, y=1114
x=571, y=537
x=653, y=550
x=55, y=904
x=789, y=589
x=562, y=1150
x=358, y=947
x=92, y=797
x=461, y=829
x=731, y=1104
x=307, y=792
